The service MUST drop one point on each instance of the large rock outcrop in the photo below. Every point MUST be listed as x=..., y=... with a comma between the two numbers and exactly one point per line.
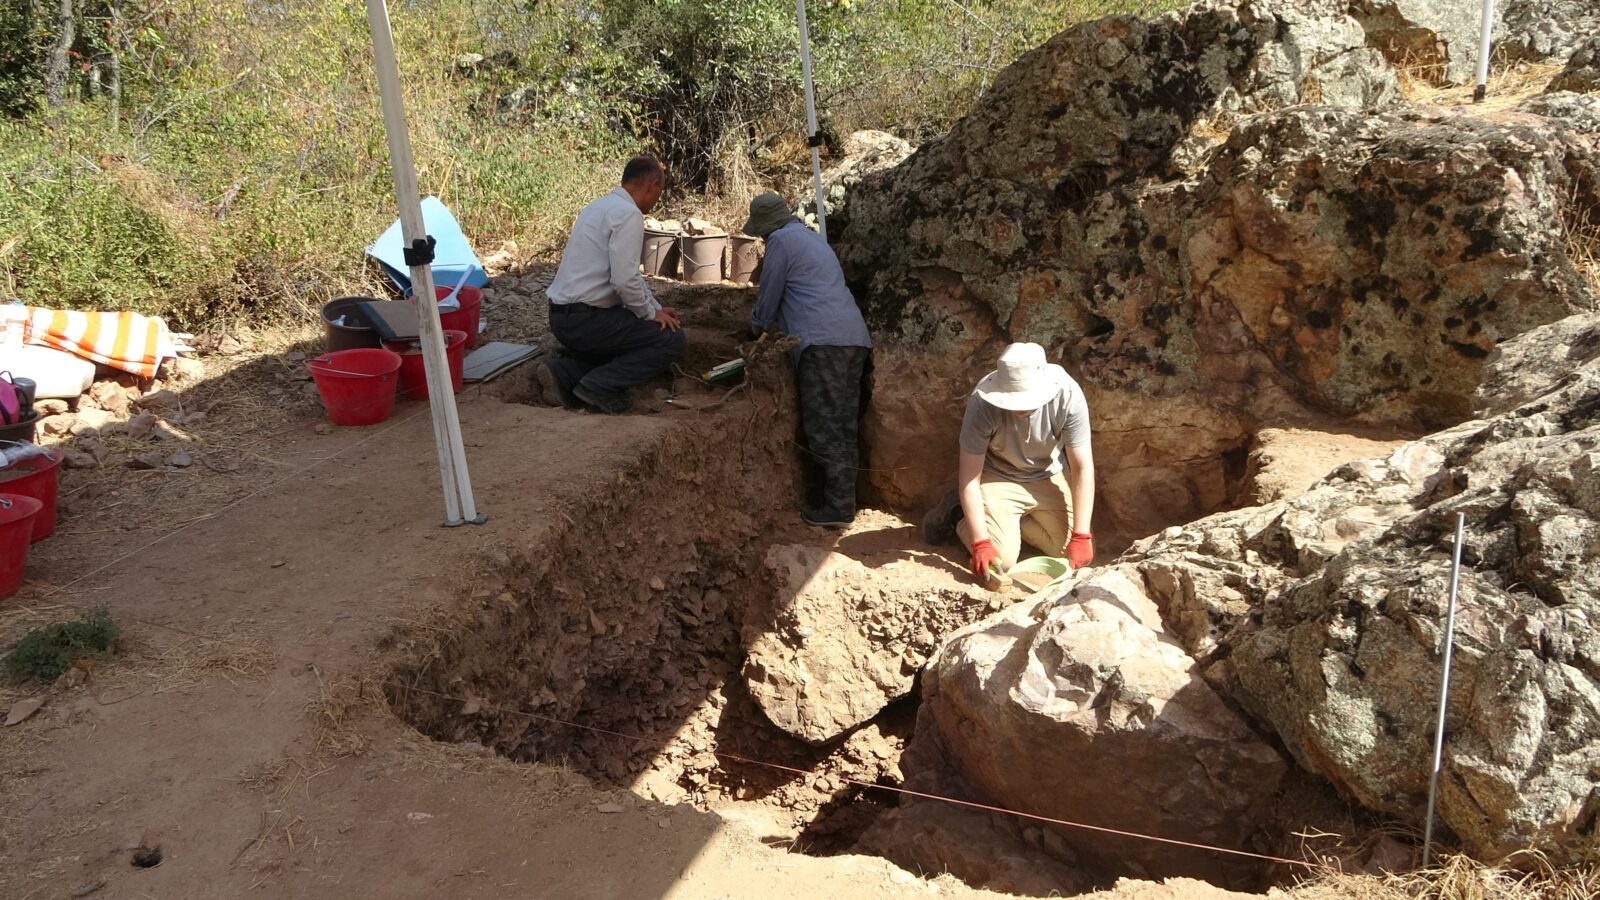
x=1134, y=196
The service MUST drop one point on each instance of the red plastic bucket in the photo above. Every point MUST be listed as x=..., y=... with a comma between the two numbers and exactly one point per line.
x=36, y=477
x=414, y=378
x=356, y=386
x=467, y=316
x=16, y=533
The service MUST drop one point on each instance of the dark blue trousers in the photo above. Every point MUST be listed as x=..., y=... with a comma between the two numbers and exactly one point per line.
x=611, y=350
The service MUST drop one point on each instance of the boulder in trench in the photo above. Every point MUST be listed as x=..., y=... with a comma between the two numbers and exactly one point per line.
x=841, y=640
x=1085, y=709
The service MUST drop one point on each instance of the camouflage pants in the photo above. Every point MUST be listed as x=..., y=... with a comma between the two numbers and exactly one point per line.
x=829, y=381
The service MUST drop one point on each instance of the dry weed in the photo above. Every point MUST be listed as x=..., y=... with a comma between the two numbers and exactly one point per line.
x=1509, y=84
x=1462, y=878
x=1580, y=226
x=197, y=656
x=337, y=712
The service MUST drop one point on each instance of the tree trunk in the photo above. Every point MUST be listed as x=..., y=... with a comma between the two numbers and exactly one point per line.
x=58, y=67
x=114, y=45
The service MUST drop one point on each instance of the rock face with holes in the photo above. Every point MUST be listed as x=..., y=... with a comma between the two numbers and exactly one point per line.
x=1545, y=30
x=1201, y=272
x=1440, y=36
x=840, y=641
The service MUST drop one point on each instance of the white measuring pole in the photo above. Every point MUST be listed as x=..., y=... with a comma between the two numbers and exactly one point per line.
x=1444, y=687
x=811, y=119
x=1485, y=33
x=458, y=502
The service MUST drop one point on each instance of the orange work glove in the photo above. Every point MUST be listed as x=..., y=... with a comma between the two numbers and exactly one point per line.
x=1080, y=549
x=983, y=555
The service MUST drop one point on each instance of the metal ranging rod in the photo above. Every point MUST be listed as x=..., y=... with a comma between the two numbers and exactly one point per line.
x=1444, y=687
x=1485, y=33
x=458, y=501
x=812, y=137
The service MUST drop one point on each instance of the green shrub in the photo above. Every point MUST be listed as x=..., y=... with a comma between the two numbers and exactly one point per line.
x=47, y=653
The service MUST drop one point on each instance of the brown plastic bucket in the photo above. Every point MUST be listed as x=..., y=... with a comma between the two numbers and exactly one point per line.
x=701, y=257
x=660, y=253
x=742, y=261
x=354, y=332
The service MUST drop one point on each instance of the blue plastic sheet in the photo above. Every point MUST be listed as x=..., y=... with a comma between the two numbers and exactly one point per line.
x=452, y=254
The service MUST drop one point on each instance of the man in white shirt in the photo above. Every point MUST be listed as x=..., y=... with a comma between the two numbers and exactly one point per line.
x=616, y=334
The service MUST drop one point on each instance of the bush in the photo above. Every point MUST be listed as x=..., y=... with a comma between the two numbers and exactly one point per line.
x=47, y=653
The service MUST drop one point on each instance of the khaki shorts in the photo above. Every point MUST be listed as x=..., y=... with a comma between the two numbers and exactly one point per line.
x=1039, y=512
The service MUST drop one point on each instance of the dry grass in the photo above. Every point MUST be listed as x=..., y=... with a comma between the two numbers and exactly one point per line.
x=1462, y=878
x=194, y=657
x=1509, y=85
x=337, y=712
x=1580, y=226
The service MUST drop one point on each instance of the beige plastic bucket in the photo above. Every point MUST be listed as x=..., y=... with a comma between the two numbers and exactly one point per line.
x=660, y=253
x=701, y=257
x=742, y=261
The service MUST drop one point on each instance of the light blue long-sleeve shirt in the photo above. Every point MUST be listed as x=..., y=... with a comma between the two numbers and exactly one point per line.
x=802, y=292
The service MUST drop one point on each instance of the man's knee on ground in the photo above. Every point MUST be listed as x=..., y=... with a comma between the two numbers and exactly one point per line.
x=675, y=342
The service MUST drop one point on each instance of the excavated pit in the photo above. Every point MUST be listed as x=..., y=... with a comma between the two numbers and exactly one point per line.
x=615, y=642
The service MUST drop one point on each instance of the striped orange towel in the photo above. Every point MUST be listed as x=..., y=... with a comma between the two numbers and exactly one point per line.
x=122, y=340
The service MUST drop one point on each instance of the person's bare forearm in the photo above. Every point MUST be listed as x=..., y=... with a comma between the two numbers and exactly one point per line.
x=1082, y=484
x=969, y=478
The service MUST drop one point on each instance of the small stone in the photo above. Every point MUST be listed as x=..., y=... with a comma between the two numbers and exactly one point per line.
x=52, y=407
x=109, y=396
x=323, y=428
x=279, y=563
x=58, y=425
x=418, y=816
x=90, y=420
x=141, y=425
x=609, y=808
x=162, y=399
x=656, y=584
x=73, y=458
x=152, y=459
x=180, y=460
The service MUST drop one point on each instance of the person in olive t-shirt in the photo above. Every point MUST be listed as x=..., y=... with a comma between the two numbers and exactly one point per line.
x=1026, y=471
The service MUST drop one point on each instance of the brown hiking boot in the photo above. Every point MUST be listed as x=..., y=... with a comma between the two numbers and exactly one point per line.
x=550, y=389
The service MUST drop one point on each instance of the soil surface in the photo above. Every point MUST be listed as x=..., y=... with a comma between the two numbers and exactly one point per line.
x=247, y=741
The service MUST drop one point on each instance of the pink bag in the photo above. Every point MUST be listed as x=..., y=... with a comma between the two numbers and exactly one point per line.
x=11, y=410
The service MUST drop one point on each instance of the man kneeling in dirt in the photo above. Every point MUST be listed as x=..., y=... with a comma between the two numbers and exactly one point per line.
x=802, y=290
x=616, y=334
x=1025, y=472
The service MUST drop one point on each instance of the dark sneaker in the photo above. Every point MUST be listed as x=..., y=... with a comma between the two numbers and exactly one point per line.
x=551, y=390
x=939, y=525
x=826, y=518
x=611, y=406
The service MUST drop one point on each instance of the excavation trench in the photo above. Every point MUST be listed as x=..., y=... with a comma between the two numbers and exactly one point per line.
x=616, y=643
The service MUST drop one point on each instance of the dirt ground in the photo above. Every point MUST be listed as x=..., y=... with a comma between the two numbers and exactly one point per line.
x=244, y=742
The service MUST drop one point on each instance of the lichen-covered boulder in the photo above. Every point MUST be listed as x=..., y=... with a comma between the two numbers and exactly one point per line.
x=1544, y=30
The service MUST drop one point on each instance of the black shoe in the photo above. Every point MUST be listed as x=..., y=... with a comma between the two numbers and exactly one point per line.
x=551, y=390
x=939, y=525
x=612, y=406
x=827, y=518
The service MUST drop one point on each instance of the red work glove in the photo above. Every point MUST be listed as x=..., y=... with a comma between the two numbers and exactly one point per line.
x=1080, y=549
x=983, y=555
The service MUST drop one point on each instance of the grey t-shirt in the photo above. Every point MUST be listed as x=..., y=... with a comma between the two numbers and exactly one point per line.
x=1026, y=447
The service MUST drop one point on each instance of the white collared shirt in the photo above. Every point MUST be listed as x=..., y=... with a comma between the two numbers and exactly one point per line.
x=600, y=266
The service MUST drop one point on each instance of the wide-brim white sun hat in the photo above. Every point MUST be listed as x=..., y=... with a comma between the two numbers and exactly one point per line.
x=1023, y=380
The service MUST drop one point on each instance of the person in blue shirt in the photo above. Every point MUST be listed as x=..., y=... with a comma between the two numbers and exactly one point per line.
x=802, y=293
